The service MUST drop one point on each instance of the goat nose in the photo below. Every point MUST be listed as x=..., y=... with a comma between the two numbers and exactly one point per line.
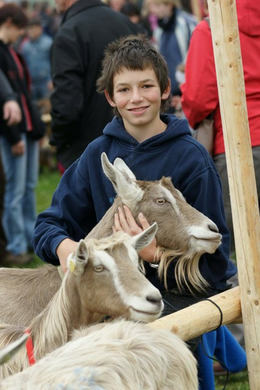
x=213, y=227
x=154, y=299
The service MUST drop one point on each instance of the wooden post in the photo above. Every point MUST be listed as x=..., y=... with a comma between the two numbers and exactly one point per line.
x=244, y=201
x=203, y=316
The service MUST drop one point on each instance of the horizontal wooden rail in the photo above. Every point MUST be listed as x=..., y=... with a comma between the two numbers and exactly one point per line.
x=204, y=316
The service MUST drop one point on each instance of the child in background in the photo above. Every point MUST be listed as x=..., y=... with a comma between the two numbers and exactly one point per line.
x=36, y=52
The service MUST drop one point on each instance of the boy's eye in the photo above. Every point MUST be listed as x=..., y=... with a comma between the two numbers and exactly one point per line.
x=147, y=86
x=123, y=90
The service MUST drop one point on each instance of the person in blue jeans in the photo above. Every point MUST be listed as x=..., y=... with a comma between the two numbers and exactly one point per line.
x=36, y=52
x=18, y=144
x=135, y=82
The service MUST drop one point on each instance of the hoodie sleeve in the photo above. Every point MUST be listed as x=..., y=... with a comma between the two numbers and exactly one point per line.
x=67, y=216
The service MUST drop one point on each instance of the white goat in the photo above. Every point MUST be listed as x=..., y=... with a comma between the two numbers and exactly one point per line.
x=183, y=233
x=103, y=280
x=121, y=355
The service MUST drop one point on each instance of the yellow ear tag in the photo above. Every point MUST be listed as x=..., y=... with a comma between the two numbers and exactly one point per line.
x=71, y=265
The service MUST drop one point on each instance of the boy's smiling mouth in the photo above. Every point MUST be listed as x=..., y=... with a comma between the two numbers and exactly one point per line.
x=138, y=109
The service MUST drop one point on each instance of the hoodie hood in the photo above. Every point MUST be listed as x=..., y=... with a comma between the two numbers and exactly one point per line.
x=248, y=15
x=175, y=128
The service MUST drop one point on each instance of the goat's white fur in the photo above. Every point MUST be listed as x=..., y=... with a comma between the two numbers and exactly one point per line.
x=119, y=355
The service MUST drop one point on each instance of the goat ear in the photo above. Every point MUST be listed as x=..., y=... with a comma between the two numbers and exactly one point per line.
x=77, y=261
x=121, y=165
x=145, y=238
x=123, y=180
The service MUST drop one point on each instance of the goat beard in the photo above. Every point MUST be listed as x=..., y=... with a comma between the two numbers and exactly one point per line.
x=186, y=270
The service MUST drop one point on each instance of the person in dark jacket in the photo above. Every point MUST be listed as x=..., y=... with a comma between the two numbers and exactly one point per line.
x=79, y=113
x=8, y=99
x=12, y=115
x=18, y=145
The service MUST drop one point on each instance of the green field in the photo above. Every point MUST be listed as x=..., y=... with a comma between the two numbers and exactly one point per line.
x=48, y=181
x=236, y=382
x=47, y=184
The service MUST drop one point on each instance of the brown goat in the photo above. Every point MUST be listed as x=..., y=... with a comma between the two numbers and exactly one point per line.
x=183, y=233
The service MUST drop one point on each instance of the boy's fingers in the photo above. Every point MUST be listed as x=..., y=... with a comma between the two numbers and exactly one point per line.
x=134, y=227
x=143, y=221
x=128, y=222
x=129, y=215
x=117, y=225
x=122, y=221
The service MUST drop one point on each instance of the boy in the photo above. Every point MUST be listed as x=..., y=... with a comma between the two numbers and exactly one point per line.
x=136, y=84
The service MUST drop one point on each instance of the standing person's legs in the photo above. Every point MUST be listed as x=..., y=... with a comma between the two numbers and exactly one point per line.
x=13, y=222
x=29, y=199
x=220, y=162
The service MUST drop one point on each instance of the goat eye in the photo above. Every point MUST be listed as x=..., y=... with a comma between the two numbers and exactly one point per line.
x=160, y=201
x=98, y=268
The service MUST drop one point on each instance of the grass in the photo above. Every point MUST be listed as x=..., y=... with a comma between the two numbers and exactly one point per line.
x=237, y=381
x=48, y=182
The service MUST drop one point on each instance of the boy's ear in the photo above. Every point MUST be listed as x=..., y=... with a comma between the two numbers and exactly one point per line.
x=167, y=91
x=110, y=101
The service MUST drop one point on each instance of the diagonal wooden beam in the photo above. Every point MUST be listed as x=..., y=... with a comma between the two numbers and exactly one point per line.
x=243, y=193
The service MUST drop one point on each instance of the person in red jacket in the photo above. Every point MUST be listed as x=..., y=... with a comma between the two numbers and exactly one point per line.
x=200, y=93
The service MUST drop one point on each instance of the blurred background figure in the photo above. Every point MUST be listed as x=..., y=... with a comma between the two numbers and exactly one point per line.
x=133, y=12
x=36, y=52
x=79, y=113
x=116, y=5
x=18, y=143
x=176, y=29
x=12, y=115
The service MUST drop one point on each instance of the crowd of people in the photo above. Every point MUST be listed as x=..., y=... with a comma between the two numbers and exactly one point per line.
x=139, y=98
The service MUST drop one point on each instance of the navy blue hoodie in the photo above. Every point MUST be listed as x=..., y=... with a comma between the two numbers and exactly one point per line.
x=84, y=193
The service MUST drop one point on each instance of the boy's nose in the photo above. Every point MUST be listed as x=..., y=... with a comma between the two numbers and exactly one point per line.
x=136, y=96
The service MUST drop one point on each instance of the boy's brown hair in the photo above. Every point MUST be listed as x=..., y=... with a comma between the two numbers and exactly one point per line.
x=14, y=13
x=134, y=52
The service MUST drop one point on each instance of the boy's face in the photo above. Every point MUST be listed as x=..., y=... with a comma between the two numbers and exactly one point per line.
x=137, y=97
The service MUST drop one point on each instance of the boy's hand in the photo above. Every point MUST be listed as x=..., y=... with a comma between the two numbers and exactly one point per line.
x=64, y=249
x=125, y=221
